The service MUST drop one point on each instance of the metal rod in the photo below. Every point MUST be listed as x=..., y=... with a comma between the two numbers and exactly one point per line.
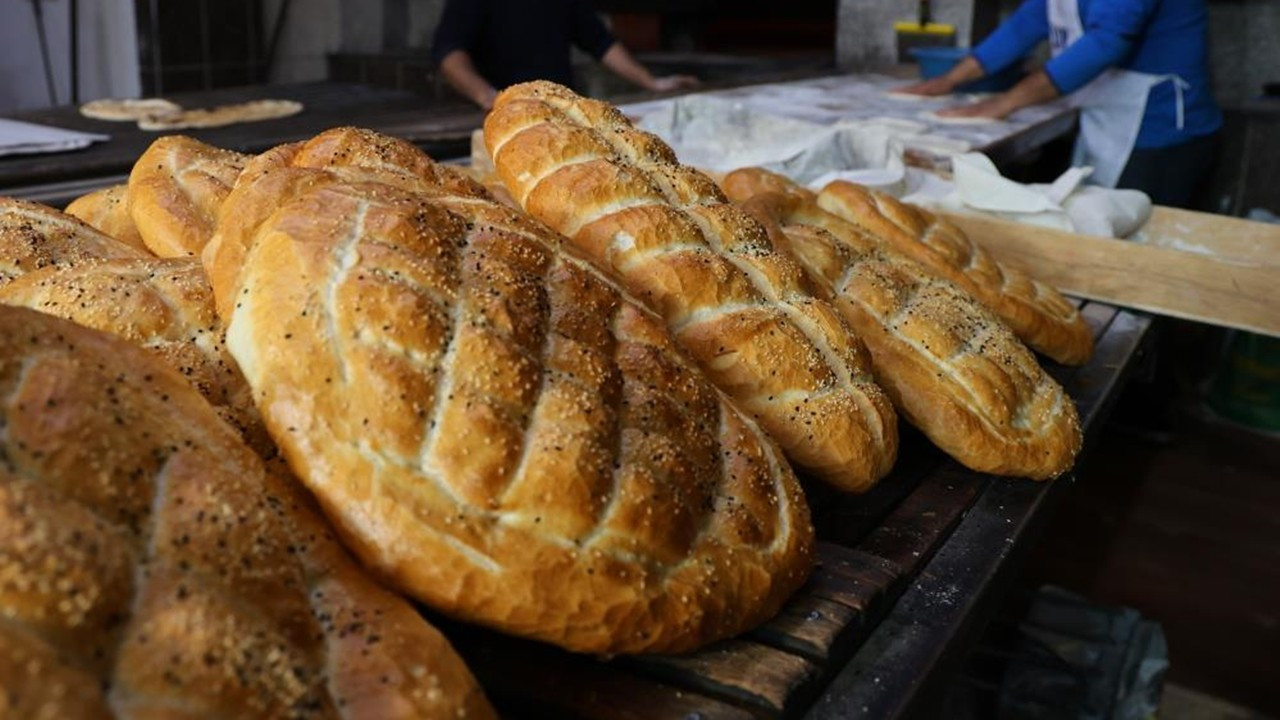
x=281, y=14
x=253, y=14
x=157, y=73
x=44, y=52
x=75, y=52
x=205, y=55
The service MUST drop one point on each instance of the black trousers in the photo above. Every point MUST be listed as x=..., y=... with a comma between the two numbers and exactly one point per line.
x=1174, y=176
x=1183, y=351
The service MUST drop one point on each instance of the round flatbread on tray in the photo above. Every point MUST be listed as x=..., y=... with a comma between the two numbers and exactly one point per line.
x=117, y=109
x=251, y=111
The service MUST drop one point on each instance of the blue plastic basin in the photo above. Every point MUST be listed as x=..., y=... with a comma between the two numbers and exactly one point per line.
x=936, y=61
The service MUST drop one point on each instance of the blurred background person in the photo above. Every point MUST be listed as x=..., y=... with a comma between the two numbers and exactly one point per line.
x=483, y=46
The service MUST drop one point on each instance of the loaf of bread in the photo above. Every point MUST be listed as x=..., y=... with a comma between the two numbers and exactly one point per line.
x=152, y=568
x=107, y=210
x=1037, y=313
x=493, y=426
x=34, y=236
x=162, y=304
x=744, y=310
x=175, y=190
x=952, y=368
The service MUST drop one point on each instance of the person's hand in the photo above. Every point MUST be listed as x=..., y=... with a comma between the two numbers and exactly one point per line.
x=930, y=88
x=675, y=82
x=994, y=107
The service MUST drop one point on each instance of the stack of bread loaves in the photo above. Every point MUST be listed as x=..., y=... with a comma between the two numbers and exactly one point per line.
x=950, y=366
x=564, y=431
x=491, y=424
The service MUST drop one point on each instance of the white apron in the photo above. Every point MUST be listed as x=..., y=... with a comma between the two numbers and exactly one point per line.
x=1111, y=107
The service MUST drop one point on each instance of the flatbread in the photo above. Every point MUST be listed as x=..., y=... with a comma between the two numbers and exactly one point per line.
x=252, y=111
x=933, y=116
x=908, y=97
x=120, y=109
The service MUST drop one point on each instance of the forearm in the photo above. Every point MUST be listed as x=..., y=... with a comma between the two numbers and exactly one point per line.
x=461, y=74
x=620, y=61
x=967, y=70
x=1034, y=89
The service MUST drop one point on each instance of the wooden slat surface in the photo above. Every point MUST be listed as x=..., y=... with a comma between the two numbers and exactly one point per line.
x=891, y=593
x=926, y=631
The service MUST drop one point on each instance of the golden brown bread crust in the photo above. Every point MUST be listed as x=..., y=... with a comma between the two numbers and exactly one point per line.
x=175, y=190
x=1037, y=313
x=492, y=425
x=952, y=368
x=162, y=304
x=107, y=210
x=34, y=236
x=743, y=309
x=152, y=567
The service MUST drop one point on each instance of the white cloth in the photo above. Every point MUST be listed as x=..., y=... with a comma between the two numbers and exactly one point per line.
x=21, y=138
x=720, y=135
x=1066, y=204
x=1111, y=106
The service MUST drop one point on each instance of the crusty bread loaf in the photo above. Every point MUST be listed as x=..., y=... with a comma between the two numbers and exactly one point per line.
x=952, y=368
x=34, y=236
x=107, y=210
x=164, y=305
x=175, y=190
x=1039, y=315
x=744, y=310
x=152, y=568
x=490, y=423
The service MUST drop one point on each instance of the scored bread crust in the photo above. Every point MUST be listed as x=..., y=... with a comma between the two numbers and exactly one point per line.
x=107, y=210
x=175, y=190
x=162, y=304
x=743, y=309
x=154, y=568
x=492, y=425
x=952, y=368
x=1037, y=313
x=35, y=236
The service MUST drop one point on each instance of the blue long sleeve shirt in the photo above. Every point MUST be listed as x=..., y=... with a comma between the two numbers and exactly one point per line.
x=1159, y=37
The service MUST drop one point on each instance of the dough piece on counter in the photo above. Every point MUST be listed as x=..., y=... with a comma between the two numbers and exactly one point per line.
x=154, y=568
x=492, y=424
x=1038, y=314
x=742, y=308
x=107, y=210
x=952, y=368
x=117, y=110
x=908, y=97
x=252, y=111
x=175, y=191
x=163, y=305
x=933, y=116
x=34, y=236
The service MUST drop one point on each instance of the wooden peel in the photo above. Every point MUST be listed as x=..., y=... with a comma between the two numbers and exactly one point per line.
x=1228, y=238
x=1230, y=278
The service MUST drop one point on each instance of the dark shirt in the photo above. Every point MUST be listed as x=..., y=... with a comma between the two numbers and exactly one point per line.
x=513, y=41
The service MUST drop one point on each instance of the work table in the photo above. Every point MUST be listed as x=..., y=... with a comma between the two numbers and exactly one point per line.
x=442, y=127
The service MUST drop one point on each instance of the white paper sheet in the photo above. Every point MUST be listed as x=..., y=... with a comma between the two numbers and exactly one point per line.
x=20, y=138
